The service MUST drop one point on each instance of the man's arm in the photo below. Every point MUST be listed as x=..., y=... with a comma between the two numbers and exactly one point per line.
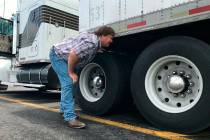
x=72, y=61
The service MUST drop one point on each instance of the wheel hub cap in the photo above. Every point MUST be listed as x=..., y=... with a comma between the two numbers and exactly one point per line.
x=176, y=84
x=97, y=82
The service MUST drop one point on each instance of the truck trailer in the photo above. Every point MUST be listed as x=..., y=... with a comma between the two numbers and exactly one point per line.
x=159, y=59
x=161, y=53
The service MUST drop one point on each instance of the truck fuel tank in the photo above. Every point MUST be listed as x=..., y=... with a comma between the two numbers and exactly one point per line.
x=38, y=74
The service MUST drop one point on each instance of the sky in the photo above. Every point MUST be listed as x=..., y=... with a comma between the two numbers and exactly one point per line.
x=10, y=8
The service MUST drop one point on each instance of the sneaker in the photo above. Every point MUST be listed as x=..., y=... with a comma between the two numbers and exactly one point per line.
x=75, y=123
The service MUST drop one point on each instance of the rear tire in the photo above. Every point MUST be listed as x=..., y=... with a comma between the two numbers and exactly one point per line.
x=113, y=93
x=166, y=107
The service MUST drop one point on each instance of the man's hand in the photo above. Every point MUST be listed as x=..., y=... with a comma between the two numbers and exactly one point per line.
x=74, y=77
x=72, y=61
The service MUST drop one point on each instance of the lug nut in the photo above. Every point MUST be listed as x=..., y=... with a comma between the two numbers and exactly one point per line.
x=183, y=95
x=192, y=84
x=188, y=76
x=189, y=91
x=174, y=72
x=175, y=94
x=181, y=72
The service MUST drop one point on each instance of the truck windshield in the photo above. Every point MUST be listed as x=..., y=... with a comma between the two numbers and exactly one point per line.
x=6, y=31
x=6, y=27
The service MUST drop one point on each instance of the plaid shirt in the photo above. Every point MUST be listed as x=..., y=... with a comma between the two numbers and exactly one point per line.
x=85, y=45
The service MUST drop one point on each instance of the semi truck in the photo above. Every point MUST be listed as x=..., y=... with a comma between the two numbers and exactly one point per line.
x=159, y=60
x=37, y=25
x=6, y=31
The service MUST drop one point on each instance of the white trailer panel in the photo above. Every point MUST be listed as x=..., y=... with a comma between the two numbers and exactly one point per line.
x=84, y=17
x=152, y=6
x=111, y=11
x=96, y=12
x=164, y=13
x=103, y=12
x=130, y=9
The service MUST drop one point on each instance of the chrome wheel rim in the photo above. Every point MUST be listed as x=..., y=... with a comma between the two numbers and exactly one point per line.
x=92, y=82
x=174, y=84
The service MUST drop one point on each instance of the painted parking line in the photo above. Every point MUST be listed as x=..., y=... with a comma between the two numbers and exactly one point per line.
x=161, y=134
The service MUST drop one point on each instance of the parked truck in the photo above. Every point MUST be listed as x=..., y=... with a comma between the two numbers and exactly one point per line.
x=6, y=31
x=159, y=59
x=161, y=51
x=38, y=25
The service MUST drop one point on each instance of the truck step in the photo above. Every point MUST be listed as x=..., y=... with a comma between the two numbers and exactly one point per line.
x=23, y=84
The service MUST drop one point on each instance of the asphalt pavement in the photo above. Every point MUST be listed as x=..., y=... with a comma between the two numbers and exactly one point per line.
x=27, y=114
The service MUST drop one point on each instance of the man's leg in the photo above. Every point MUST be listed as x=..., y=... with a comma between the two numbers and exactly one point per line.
x=67, y=102
x=61, y=106
x=67, y=96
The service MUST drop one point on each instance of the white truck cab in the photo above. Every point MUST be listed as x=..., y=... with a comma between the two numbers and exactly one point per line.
x=38, y=25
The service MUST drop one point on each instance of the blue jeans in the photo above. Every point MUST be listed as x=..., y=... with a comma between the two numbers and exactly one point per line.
x=60, y=66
